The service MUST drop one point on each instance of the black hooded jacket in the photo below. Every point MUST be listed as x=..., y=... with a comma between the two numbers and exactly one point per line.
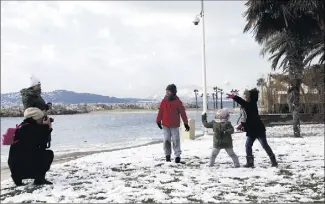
x=26, y=156
x=254, y=126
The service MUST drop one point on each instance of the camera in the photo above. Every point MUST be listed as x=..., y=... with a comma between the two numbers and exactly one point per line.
x=196, y=21
x=51, y=119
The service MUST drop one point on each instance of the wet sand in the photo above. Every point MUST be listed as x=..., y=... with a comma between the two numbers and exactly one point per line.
x=5, y=172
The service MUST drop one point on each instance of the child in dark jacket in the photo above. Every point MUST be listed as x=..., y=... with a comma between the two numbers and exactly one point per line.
x=170, y=110
x=31, y=98
x=254, y=126
x=222, y=139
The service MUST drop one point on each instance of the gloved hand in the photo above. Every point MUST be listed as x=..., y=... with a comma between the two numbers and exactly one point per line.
x=230, y=96
x=159, y=125
x=187, y=128
x=239, y=127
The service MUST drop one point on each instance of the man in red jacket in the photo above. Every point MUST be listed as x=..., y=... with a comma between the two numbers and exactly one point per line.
x=170, y=110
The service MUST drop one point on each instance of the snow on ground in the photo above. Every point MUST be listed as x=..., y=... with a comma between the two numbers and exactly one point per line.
x=142, y=175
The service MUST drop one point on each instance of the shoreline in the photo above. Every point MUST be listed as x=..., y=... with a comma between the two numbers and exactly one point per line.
x=235, y=110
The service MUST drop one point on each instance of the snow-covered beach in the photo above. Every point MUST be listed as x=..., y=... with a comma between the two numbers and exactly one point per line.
x=141, y=174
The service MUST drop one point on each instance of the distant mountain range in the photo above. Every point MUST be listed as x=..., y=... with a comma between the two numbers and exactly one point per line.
x=68, y=97
x=186, y=94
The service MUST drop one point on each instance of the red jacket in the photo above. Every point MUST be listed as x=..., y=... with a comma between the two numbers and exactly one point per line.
x=170, y=111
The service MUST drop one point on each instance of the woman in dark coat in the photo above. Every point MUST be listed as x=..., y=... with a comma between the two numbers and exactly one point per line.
x=254, y=126
x=28, y=157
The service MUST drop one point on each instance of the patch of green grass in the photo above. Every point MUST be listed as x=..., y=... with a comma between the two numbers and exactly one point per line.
x=239, y=179
x=252, y=198
x=272, y=183
x=171, y=181
x=191, y=199
x=79, y=183
x=150, y=200
x=319, y=201
x=98, y=198
x=28, y=201
x=240, y=194
x=285, y=172
x=159, y=165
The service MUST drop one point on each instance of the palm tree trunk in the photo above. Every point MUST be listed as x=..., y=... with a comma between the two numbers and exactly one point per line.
x=295, y=76
x=305, y=107
x=295, y=112
x=262, y=98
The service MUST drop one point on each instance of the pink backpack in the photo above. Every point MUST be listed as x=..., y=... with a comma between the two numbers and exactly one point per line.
x=8, y=137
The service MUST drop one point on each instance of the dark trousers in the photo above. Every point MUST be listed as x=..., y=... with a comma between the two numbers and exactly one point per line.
x=47, y=159
x=250, y=141
x=34, y=168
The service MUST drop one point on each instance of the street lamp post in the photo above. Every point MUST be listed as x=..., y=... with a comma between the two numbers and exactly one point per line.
x=221, y=92
x=213, y=96
x=208, y=98
x=233, y=102
x=216, y=90
x=196, y=92
x=196, y=22
x=235, y=92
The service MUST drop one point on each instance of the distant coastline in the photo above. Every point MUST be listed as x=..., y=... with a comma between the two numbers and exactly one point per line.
x=71, y=109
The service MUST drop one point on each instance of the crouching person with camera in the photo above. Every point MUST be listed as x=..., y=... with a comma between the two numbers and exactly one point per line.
x=28, y=156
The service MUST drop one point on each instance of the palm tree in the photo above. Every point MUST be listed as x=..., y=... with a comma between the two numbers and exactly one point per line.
x=261, y=83
x=314, y=79
x=196, y=93
x=286, y=30
x=316, y=43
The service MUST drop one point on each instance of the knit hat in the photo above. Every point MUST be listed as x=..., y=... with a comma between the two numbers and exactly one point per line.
x=172, y=88
x=223, y=114
x=34, y=81
x=34, y=113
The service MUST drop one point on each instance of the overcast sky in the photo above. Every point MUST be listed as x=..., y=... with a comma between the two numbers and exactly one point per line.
x=125, y=49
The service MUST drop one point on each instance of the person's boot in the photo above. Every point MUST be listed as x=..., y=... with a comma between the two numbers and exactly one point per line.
x=273, y=161
x=168, y=158
x=250, y=162
x=17, y=181
x=177, y=160
x=42, y=182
